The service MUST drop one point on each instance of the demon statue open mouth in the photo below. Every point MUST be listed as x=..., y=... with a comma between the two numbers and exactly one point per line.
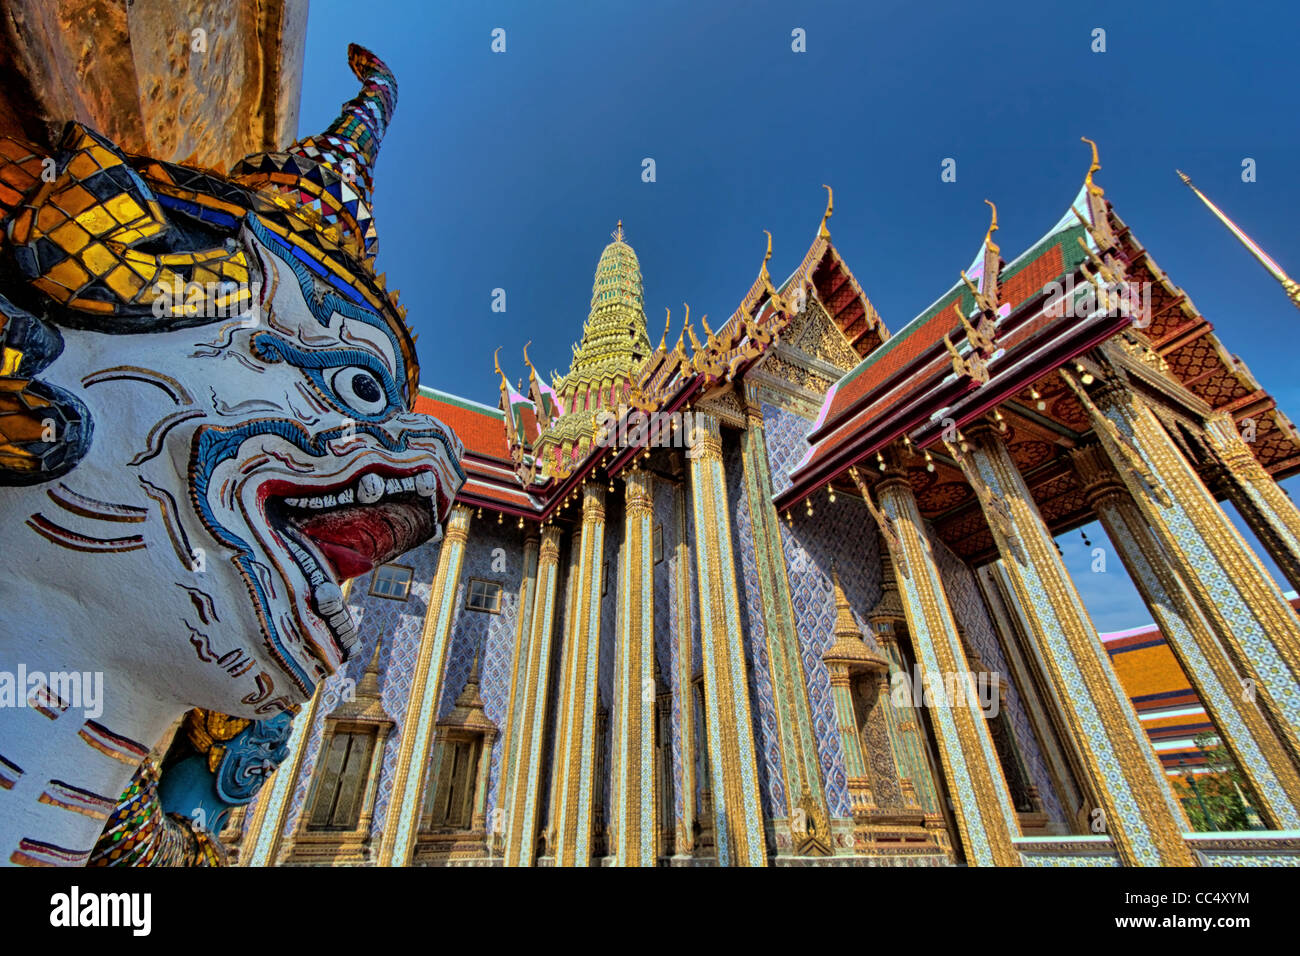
x=206, y=428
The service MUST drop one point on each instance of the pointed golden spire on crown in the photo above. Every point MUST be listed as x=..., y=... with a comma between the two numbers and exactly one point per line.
x=617, y=234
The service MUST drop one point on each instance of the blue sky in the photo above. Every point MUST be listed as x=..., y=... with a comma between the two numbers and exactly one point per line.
x=509, y=170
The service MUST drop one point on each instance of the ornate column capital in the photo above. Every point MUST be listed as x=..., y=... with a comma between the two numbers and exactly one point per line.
x=458, y=524
x=1101, y=482
x=593, y=502
x=638, y=492
x=704, y=440
x=550, y=550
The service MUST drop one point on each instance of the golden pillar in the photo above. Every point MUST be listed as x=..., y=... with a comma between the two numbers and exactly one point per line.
x=981, y=803
x=1240, y=723
x=530, y=724
x=518, y=667
x=1233, y=590
x=635, y=817
x=576, y=754
x=400, y=823
x=1269, y=510
x=684, y=687
x=801, y=767
x=737, y=814
x=1140, y=811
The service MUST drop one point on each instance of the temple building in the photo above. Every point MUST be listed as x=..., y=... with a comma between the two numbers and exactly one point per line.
x=787, y=592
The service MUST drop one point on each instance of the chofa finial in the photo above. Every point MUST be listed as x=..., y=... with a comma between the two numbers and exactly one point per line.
x=1094, y=167
x=824, y=232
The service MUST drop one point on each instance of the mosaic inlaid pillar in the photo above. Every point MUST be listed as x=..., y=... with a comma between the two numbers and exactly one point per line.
x=1141, y=813
x=530, y=725
x=1240, y=724
x=1232, y=588
x=737, y=813
x=797, y=738
x=402, y=818
x=262, y=842
x=576, y=755
x=634, y=810
x=1269, y=510
x=683, y=688
x=981, y=804
x=518, y=668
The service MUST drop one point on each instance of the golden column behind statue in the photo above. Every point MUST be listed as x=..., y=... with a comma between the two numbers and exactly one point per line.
x=738, y=817
x=402, y=819
x=521, y=815
x=576, y=751
x=634, y=813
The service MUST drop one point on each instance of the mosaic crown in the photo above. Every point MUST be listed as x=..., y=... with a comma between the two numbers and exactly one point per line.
x=331, y=174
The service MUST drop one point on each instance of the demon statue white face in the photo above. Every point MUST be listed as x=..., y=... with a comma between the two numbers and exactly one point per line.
x=205, y=430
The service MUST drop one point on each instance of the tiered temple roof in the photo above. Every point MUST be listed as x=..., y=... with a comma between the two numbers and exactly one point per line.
x=990, y=342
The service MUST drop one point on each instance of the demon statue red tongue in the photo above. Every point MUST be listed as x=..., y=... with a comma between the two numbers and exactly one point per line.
x=355, y=540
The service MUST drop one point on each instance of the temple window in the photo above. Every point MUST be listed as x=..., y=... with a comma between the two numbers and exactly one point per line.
x=454, y=818
x=392, y=581
x=334, y=827
x=343, y=777
x=453, y=800
x=484, y=596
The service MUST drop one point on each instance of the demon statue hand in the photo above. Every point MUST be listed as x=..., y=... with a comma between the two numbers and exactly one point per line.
x=206, y=427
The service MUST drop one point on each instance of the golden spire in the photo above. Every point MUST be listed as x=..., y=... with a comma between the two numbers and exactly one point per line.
x=1289, y=285
x=532, y=372
x=993, y=227
x=1094, y=167
x=849, y=648
x=496, y=363
x=823, y=232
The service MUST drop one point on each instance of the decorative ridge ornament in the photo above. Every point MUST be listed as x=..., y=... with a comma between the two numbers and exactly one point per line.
x=823, y=232
x=1093, y=167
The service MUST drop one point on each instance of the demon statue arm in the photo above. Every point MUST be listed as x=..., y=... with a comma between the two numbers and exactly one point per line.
x=206, y=428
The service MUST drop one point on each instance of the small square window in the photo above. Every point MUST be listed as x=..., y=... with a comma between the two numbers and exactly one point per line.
x=484, y=596
x=659, y=543
x=392, y=581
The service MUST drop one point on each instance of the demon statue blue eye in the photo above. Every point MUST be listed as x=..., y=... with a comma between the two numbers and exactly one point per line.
x=359, y=389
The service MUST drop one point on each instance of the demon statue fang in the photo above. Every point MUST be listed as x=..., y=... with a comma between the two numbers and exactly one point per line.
x=206, y=428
